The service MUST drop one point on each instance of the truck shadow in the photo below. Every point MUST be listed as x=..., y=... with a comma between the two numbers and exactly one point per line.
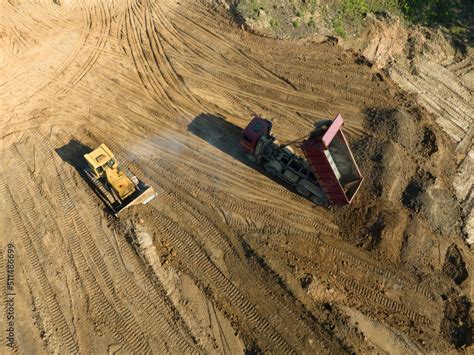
x=218, y=132
x=225, y=136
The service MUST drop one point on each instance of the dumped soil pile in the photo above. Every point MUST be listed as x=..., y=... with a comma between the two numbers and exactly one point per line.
x=430, y=63
x=439, y=71
x=457, y=324
x=409, y=178
x=454, y=265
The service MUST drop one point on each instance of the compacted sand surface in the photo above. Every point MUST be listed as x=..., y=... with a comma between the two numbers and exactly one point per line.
x=225, y=259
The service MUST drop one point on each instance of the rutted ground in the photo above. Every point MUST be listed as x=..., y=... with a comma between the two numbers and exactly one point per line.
x=224, y=259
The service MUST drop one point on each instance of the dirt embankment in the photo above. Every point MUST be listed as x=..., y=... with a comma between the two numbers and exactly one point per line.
x=440, y=74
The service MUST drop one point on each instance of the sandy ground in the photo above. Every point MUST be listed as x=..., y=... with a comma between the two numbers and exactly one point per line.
x=225, y=259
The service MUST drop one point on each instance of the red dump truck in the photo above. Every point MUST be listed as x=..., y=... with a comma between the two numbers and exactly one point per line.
x=327, y=174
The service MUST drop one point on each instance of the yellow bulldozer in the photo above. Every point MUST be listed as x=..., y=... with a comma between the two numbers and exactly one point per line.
x=118, y=188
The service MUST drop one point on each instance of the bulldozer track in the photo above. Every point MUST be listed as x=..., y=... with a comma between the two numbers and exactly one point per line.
x=203, y=225
x=463, y=67
x=366, y=294
x=103, y=14
x=226, y=241
x=162, y=59
x=359, y=263
x=159, y=68
x=254, y=66
x=268, y=213
x=362, y=292
x=67, y=62
x=457, y=111
x=26, y=17
x=150, y=82
x=77, y=252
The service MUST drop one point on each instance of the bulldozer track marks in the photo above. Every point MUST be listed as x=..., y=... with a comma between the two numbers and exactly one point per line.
x=27, y=242
x=457, y=115
x=362, y=292
x=150, y=82
x=154, y=320
x=365, y=294
x=347, y=257
x=109, y=312
x=110, y=309
x=270, y=215
x=203, y=265
x=63, y=86
x=102, y=12
x=208, y=228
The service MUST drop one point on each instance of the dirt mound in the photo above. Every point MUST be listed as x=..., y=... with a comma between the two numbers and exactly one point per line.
x=382, y=40
x=456, y=325
x=404, y=128
x=454, y=265
x=402, y=163
x=439, y=71
x=424, y=44
x=413, y=195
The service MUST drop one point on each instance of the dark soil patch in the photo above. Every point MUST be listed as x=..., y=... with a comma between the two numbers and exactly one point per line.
x=374, y=234
x=382, y=121
x=428, y=142
x=411, y=197
x=454, y=265
x=306, y=281
x=456, y=325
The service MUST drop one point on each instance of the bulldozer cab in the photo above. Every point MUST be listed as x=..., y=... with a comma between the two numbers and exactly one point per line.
x=102, y=164
x=101, y=159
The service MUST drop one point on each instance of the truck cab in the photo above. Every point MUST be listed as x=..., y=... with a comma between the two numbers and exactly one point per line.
x=251, y=135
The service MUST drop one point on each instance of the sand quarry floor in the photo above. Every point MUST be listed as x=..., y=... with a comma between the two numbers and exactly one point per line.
x=225, y=259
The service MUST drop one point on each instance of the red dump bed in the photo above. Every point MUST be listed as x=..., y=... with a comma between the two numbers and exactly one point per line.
x=333, y=164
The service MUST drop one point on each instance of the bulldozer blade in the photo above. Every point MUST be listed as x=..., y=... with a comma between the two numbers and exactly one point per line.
x=140, y=197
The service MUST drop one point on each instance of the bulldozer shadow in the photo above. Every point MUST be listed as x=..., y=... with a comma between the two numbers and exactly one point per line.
x=73, y=154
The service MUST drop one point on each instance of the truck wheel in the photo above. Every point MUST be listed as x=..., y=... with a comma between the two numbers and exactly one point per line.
x=250, y=158
x=271, y=170
x=303, y=191
x=273, y=167
x=319, y=200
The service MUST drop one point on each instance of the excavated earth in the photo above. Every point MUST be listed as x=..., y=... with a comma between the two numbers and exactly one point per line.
x=225, y=259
